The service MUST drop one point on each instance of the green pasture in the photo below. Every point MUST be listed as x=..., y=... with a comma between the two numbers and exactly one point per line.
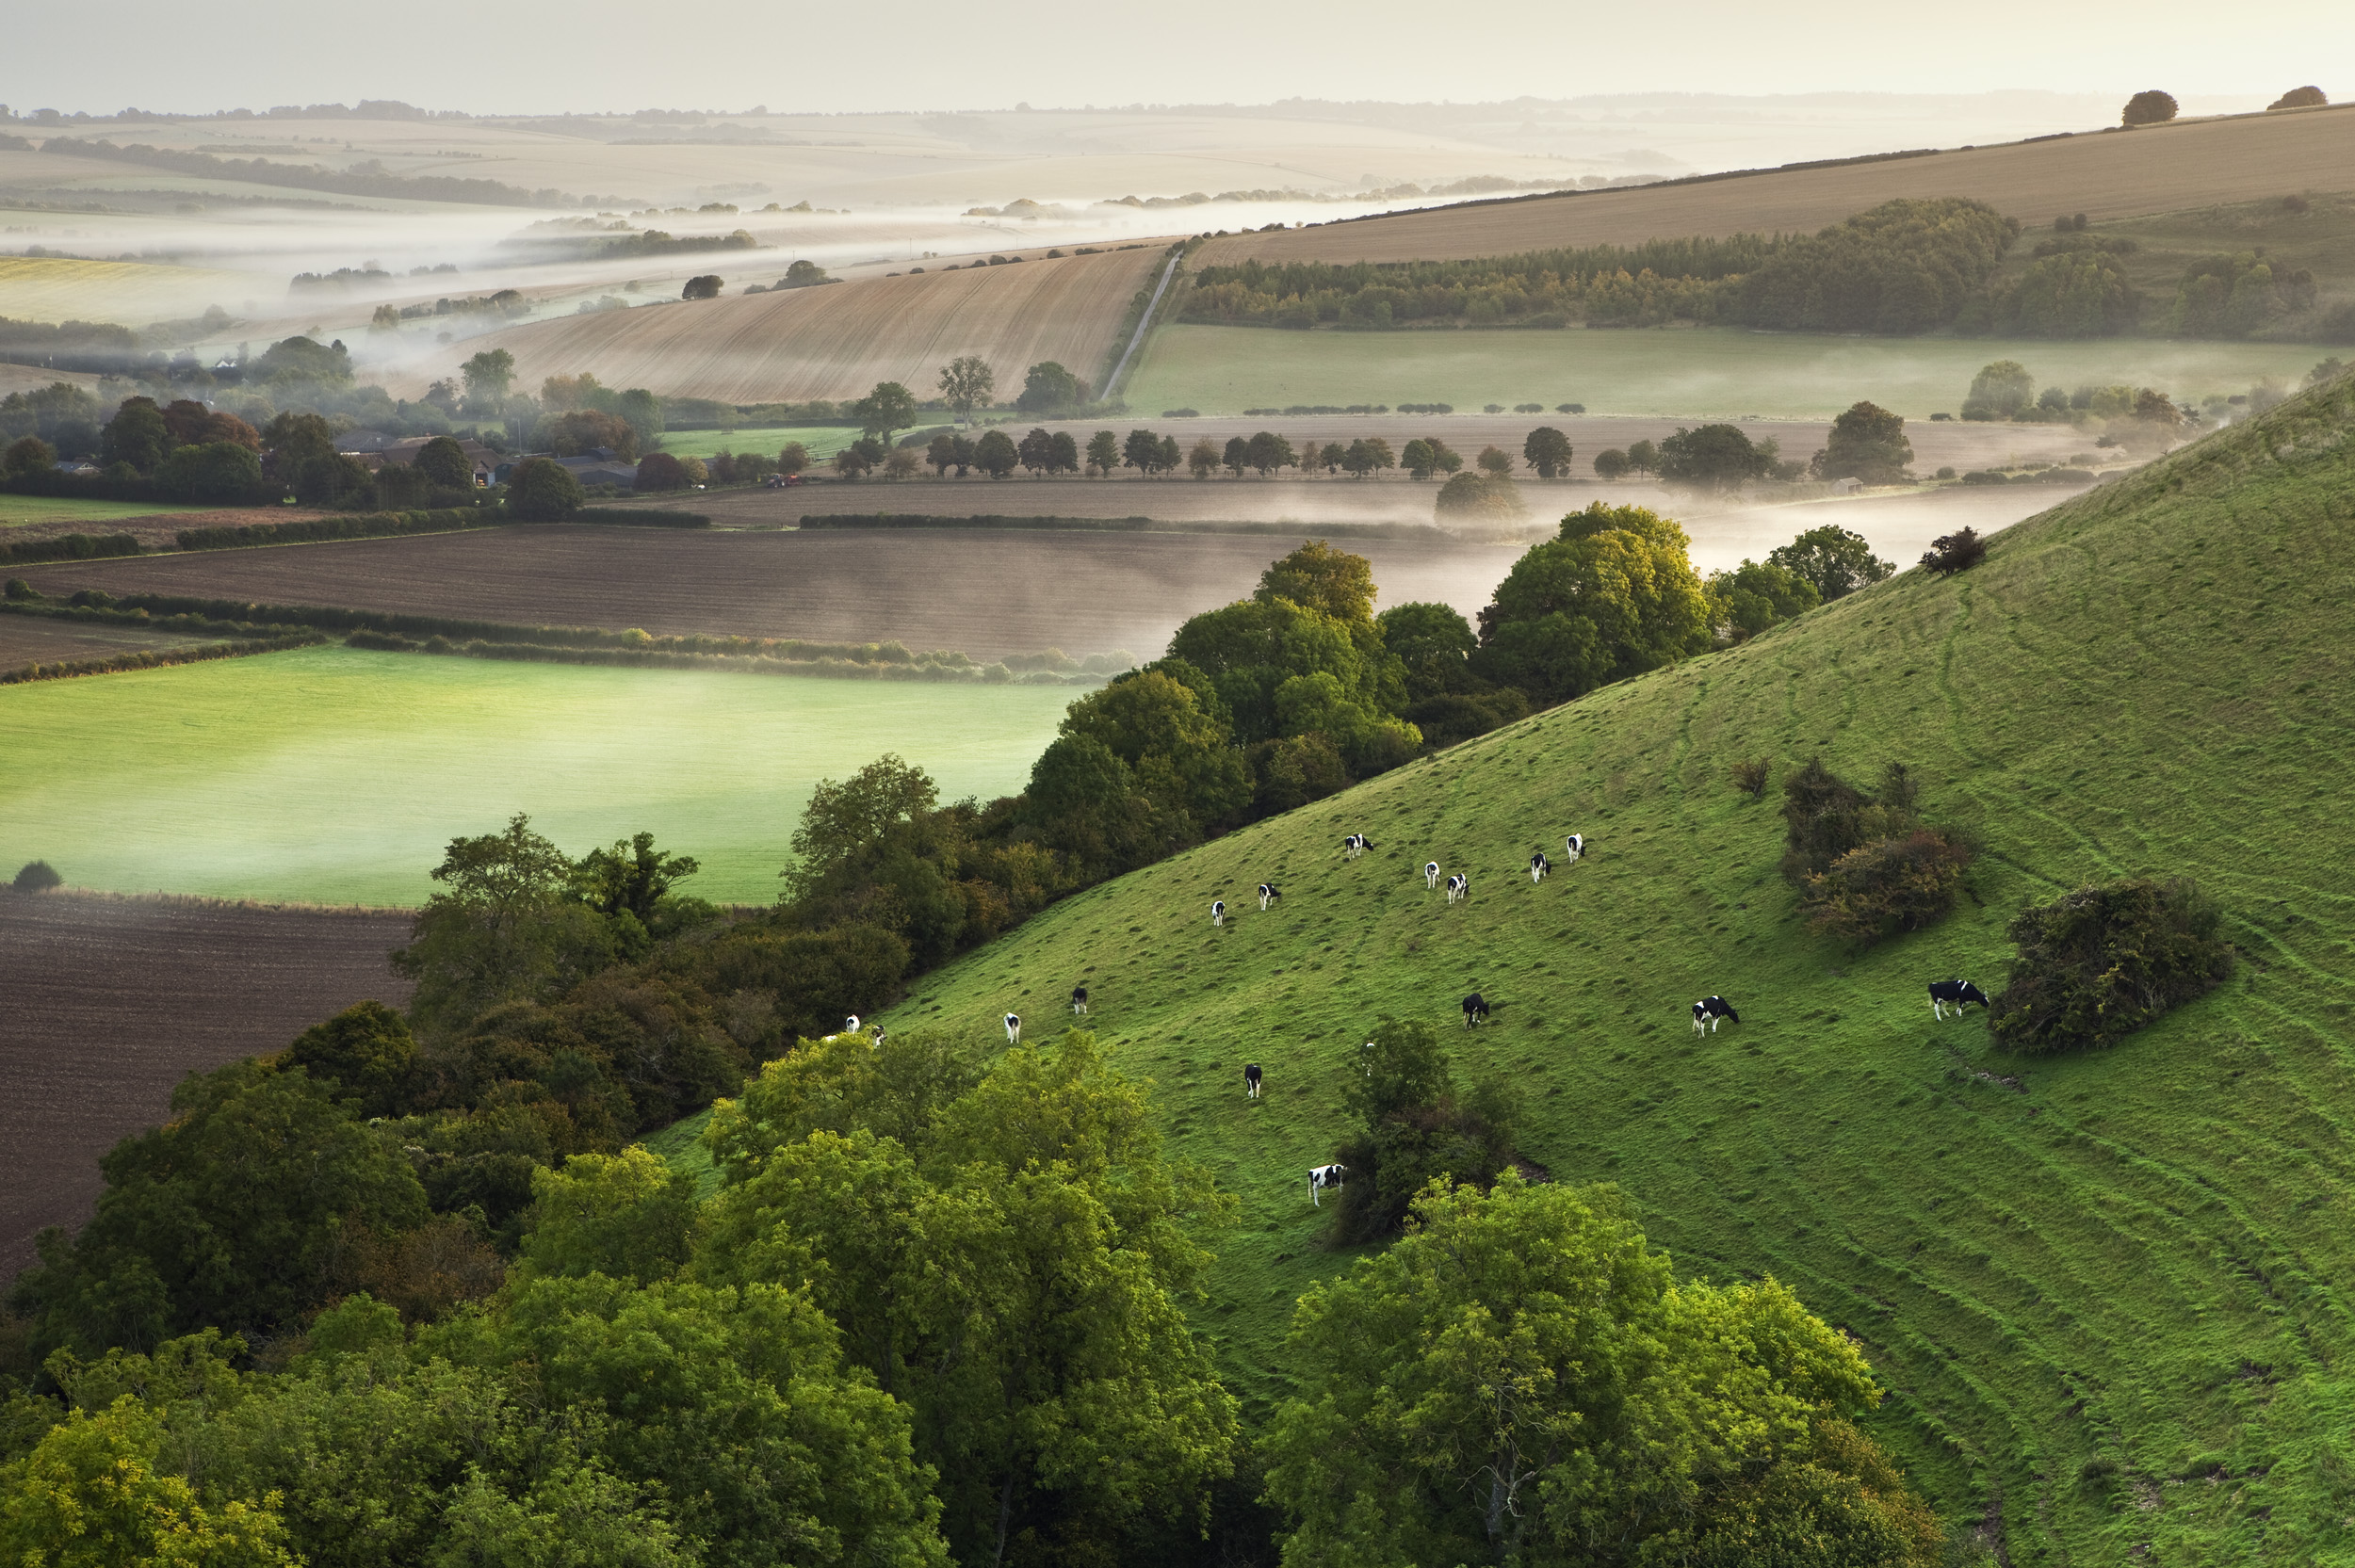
x=18, y=511
x=823, y=441
x=1697, y=373
x=2109, y=1295
x=336, y=776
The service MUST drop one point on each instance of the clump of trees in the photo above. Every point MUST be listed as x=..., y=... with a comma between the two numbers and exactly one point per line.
x=2097, y=964
x=1416, y=1125
x=1905, y=267
x=2301, y=97
x=2152, y=107
x=1612, y=595
x=1831, y=559
x=1477, y=498
x=1867, y=442
x=1755, y=597
x=2234, y=296
x=1717, y=458
x=1867, y=866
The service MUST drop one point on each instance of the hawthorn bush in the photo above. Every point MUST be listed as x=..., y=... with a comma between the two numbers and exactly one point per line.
x=2098, y=963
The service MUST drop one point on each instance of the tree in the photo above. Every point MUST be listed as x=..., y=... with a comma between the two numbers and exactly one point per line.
x=1613, y=596
x=1999, y=391
x=540, y=489
x=136, y=435
x=803, y=274
x=217, y=471
x=28, y=456
x=1181, y=755
x=1067, y=454
x=95, y=1493
x=661, y=471
x=1433, y=644
x=1715, y=458
x=1142, y=451
x=845, y=821
x=704, y=286
x=1103, y=453
x=858, y=458
x=2301, y=97
x=967, y=383
x=994, y=454
x=444, y=464
x=488, y=375
x=1168, y=457
x=502, y=925
x=1612, y=463
x=1547, y=451
x=890, y=408
x=37, y=876
x=1037, y=451
x=2149, y=108
x=1643, y=457
x=1495, y=461
x=1318, y=577
x=1867, y=442
x=1482, y=497
x=367, y=1050
x=1051, y=391
x=1753, y=597
x=1267, y=452
x=632, y=877
x=626, y=1215
x=295, y=360
x=1236, y=455
x=1521, y=1379
x=1203, y=459
x=1834, y=560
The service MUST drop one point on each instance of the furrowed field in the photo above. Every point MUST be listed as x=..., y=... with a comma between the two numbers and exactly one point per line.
x=1691, y=374
x=334, y=775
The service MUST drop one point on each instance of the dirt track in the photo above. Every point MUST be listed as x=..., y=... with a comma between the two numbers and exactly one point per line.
x=110, y=1002
x=2103, y=174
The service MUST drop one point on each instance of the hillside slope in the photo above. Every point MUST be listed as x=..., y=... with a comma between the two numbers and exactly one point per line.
x=2108, y=1293
x=838, y=341
x=2105, y=175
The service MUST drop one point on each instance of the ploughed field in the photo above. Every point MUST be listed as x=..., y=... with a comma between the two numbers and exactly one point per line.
x=111, y=1001
x=27, y=640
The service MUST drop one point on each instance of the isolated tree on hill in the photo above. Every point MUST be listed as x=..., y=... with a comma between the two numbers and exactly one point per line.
x=1999, y=391
x=1203, y=459
x=967, y=383
x=2301, y=97
x=488, y=376
x=803, y=274
x=1237, y=457
x=1867, y=442
x=995, y=454
x=1547, y=451
x=1103, y=453
x=1836, y=561
x=2149, y=108
x=1048, y=389
x=1715, y=458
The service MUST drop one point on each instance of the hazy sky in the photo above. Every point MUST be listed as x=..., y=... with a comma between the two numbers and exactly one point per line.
x=926, y=53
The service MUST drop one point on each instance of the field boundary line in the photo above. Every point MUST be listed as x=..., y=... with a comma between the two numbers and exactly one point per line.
x=1145, y=324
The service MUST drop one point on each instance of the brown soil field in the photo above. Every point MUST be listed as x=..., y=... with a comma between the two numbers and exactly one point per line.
x=837, y=341
x=36, y=639
x=112, y=1001
x=2104, y=175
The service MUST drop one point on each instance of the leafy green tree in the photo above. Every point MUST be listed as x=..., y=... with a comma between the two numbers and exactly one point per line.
x=1433, y=644
x=643, y=410
x=488, y=376
x=1065, y=453
x=704, y=285
x=1267, y=452
x=1318, y=577
x=28, y=456
x=967, y=383
x=1753, y=597
x=1999, y=391
x=1142, y=451
x=1612, y=463
x=1178, y=752
x=1037, y=451
x=804, y=273
x=35, y=875
x=995, y=454
x=1104, y=452
x=1715, y=458
x=1834, y=560
x=367, y=1050
x=1169, y=457
x=217, y=471
x=1643, y=457
x=847, y=820
x=540, y=489
x=1613, y=596
x=95, y=1492
x=1521, y=1379
x=1867, y=442
x=1547, y=451
x=136, y=435
x=1203, y=459
x=502, y=927
x=633, y=876
x=2076, y=292
x=626, y=1215
x=1049, y=391
x=2149, y=108
x=885, y=412
x=2234, y=296
x=445, y=462
x=792, y=458
x=1236, y=455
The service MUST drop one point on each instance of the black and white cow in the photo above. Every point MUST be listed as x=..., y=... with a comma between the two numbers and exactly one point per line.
x=1572, y=847
x=1954, y=993
x=1251, y=1081
x=1355, y=845
x=875, y=1034
x=1538, y=867
x=1322, y=1176
x=1013, y=1028
x=1711, y=1011
x=1459, y=887
x=1476, y=1009
x=1430, y=873
x=1079, y=1000
x=849, y=1025
x=1218, y=912
x=1268, y=895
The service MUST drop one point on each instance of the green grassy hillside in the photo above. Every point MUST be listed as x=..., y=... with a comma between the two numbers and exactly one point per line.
x=2108, y=1294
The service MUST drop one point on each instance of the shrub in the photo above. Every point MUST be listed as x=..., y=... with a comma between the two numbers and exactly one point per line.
x=543, y=491
x=37, y=876
x=1751, y=777
x=661, y=471
x=1955, y=552
x=2149, y=108
x=1820, y=812
x=707, y=286
x=2098, y=963
x=1888, y=886
x=2300, y=98
x=1611, y=463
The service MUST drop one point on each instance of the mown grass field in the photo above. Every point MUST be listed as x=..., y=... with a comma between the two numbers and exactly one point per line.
x=1689, y=374
x=17, y=511
x=336, y=776
x=2107, y=1294
x=823, y=441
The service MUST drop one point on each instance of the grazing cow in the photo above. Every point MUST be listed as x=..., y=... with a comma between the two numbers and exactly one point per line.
x=1251, y=1081
x=1218, y=912
x=875, y=1034
x=1430, y=873
x=1711, y=1011
x=1268, y=895
x=1014, y=1030
x=1459, y=887
x=1079, y=1000
x=1322, y=1176
x=1538, y=867
x=1476, y=1009
x=1572, y=847
x=849, y=1025
x=1954, y=993
x=1355, y=845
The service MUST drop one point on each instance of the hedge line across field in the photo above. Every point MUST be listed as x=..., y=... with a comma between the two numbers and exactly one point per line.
x=1121, y=525
x=954, y=666
x=71, y=547
x=305, y=530
x=154, y=658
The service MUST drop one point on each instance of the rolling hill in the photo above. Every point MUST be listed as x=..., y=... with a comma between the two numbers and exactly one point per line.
x=838, y=341
x=2104, y=175
x=2107, y=1293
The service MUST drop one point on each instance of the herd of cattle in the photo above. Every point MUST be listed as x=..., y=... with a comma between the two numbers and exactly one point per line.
x=1708, y=1014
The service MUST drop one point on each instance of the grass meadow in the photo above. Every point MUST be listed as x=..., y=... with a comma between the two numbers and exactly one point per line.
x=823, y=441
x=2106, y=1294
x=1687, y=373
x=336, y=776
x=16, y=511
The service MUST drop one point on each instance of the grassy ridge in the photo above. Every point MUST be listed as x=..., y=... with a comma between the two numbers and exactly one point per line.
x=2107, y=1293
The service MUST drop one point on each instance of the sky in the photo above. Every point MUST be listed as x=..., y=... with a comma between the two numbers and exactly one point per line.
x=592, y=54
